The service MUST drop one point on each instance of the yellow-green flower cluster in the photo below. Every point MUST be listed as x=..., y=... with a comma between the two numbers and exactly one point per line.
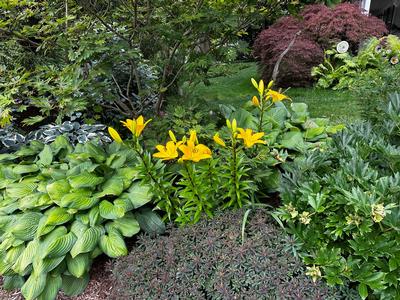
x=314, y=272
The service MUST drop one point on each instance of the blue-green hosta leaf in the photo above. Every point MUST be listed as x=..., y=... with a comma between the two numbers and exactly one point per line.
x=60, y=246
x=58, y=189
x=149, y=221
x=79, y=265
x=293, y=140
x=113, y=186
x=128, y=226
x=26, y=257
x=73, y=286
x=53, y=285
x=9, y=259
x=13, y=282
x=113, y=244
x=24, y=169
x=26, y=225
x=85, y=180
x=45, y=156
x=111, y=211
x=34, y=286
x=20, y=189
x=80, y=199
x=57, y=216
x=139, y=194
x=87, y=241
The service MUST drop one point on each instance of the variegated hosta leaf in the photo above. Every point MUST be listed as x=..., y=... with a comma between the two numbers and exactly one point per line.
x=139, y=194
x=57, y=216
x=84, y=180
x=24, y=169
x=78, y=228
x=34, y=286
x=26, y=258
x=123, y=201
x=20, y=189
x=87, y=241
x=13, y=282
x=43, y=229
x=45, y=156
x=128, y=175
x=78, y=265
x=111, y=211
x=60, y=246
x=113, y=244
x=6, y=243
x=58, y=189
x=127, y=226
x=94, y=216
x=73, y=286
x=78, y=199
x=53, y=285
x=26, y=225
x=9, y=259
x=113, y=186
x=47, y=264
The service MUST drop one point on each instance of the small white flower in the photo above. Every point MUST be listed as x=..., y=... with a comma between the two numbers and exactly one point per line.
x=342, y=47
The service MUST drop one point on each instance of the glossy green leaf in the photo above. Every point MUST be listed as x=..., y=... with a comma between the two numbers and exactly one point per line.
x=87, y=241
x=113, y=245
x=60, y=246
x=139, y=194
x=26, y=225
x=128, y=226
x=79, y=265
x=45, y=156
x=34, y=286
x=85, y=180
x=58, y=189
x=110, y=211
x=57, y=216
x=112, y=187
x=73, y=286
x=53, y=285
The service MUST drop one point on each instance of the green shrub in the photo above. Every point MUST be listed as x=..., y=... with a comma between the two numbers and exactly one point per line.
x=61, y=207
x=209, y=261
x=342, y=206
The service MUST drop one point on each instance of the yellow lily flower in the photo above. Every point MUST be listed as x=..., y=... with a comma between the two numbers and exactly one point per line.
x=194, y=153
x=255, y=101
x=218, y=140
x=249, y=139
x=136, y=126
x=276, y=96
x=167, y=152
x=114, y=134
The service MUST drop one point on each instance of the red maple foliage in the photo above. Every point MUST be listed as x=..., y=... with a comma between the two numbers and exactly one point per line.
x=321, y=27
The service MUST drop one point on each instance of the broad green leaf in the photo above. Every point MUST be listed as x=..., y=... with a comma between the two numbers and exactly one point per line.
x=26, y=258
x=45, y=156
x=96, y=152
x=78, y=228
x=313, y=132
x=112, y=187
x=47, y=264
x=57, y=216
x=79, y=265
x=363, y=291
x=73, y=286
x=85, y=180
x=80, y=199
x=43, y=229
x=34, y=286
x=149, y=221
x=24, y=169
x=293, y=140
x=11, y=257
x=21, y=189
x=128, y=226
x=87, y=241
x=139, y=194
x=128, y=175
x=13, y=282
x=110, y=211
x=58, y=189
x=60, y=246
x=94, y=216
x=53, y=285
x=113, y=244
x=26, y=225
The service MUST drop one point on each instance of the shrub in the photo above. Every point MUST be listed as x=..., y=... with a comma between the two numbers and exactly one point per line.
x=61, y=207
x=342, y=206
x=320, y=27
x=209, y=261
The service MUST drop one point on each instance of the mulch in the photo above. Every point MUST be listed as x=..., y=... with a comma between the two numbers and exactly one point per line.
x=99, y=288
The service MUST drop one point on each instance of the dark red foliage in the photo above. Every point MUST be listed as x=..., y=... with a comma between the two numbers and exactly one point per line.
x=321, y=27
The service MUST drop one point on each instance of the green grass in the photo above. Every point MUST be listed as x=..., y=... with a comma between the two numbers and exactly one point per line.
x=235, y=88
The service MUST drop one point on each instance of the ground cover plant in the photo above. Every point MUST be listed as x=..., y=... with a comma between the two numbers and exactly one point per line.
x=209, y=260
x=342, y=206
x=317, y=29
x=63, y=206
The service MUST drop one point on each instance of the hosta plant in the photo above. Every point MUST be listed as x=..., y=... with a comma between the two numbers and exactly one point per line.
x=60, y=207
x=343, y=208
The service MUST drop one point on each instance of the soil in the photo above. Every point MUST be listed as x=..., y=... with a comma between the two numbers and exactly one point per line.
x=99, y=288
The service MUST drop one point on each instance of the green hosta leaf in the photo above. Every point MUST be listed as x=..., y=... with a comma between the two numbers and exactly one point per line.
x=57, y=216
x=21, y=189
x=45, y=156
x=113, y=244
x=139, y=194
x=47, y=264
x=96, y=152
x=7, y=157
x=13, y=282
x=363, y=290
x=313, y=132
x=80, y=199
x=124, y=202
x=24, y=169
x=127, y=226
x=34, y=286
x=78, y=228
x=10, y=259
x=58, y=189
x=43, y=229
x=128, y=175
x=29, y=202
x=85, y=180
x=79, y=265
x=94, y=216
x=110, y=211
x=26, y=258
x=60, y=246
x=53, y=285
x=73, y=286
x=113, y=186
x=87, y=241
x=293, y=140
x=26, y=225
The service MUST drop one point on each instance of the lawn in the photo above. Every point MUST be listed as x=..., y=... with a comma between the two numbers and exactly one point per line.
x=235, y=88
